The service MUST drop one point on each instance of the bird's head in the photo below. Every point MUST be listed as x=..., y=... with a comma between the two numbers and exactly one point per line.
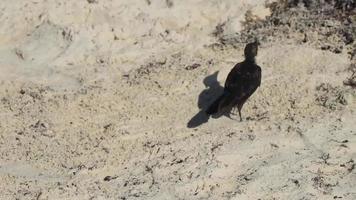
x=251, y=50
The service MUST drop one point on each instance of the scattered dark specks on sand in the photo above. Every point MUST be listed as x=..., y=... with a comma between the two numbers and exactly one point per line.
x=337, y=50
x=169, y=3
x=230, y=134
x=193, y=66
x=325, y=157
x=351, y=81
x=107, y=126
x=216, y=147
x=296, y=182
x=19, y=53
x=219, y=29
x=274, y=146
x=38, y=195
x=350, y=165
x=92, y=1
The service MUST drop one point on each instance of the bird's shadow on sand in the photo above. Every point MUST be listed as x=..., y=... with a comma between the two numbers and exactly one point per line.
x=206, y=97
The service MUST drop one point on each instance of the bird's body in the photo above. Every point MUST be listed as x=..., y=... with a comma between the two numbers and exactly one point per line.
x=240, y=84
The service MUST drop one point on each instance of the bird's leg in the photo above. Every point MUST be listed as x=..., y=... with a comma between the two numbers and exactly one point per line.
x=240, y=115
x=229, y=116
x=239, y=108
x=232, y=112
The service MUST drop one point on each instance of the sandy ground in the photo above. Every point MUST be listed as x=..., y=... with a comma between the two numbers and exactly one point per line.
x=104, y=99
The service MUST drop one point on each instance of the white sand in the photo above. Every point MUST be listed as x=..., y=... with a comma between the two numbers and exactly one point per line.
x=99, y=90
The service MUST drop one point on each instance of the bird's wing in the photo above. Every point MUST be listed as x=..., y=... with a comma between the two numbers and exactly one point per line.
x=258, y=75
x=252, y=81
x=234, y=78
x=242, y=83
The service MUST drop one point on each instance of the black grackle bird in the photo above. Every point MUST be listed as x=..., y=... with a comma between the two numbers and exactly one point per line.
x=241, y=83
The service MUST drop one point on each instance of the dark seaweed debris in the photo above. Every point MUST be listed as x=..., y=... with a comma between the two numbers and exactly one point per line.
x=329, y=25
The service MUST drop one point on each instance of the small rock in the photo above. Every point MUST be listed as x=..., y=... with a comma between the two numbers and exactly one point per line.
x=109, y=178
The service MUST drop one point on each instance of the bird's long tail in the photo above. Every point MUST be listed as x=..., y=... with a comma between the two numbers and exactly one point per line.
x=214, y=107
x=221, y=104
